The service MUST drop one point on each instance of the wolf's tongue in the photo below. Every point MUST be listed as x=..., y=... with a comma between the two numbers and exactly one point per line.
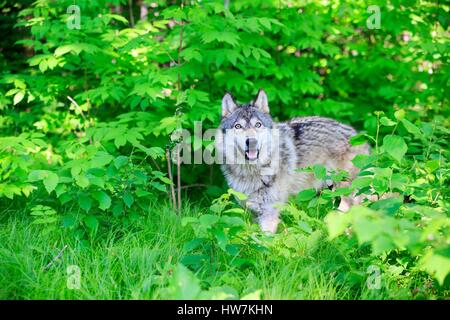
x=251, y=154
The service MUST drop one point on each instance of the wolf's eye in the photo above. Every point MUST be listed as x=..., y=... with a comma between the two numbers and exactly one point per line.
x=258, y=124
x=237, y=126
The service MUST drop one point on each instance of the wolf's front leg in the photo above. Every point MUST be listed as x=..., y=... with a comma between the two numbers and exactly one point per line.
x=266, y=214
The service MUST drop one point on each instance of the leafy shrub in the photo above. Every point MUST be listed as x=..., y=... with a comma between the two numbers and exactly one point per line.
x=86, y=115
x=222, y=239
x=409, y=208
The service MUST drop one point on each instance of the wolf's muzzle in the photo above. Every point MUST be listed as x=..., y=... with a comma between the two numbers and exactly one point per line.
x=251, y=149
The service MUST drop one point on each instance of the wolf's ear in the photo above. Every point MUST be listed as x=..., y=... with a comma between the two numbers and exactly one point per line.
x=228, y=105
x=261, y=101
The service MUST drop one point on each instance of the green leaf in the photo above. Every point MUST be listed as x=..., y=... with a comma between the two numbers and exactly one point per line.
x=27, y=189
x=363, y=160
x=390, y=205
x=60, y=51
x=68, y=221
x=192, y=244
x=194, y=259
x=128, y=199
x=361, y=182
x=165, y=180
x=399, y=181
x=188, y=220
x=387, y=122
x=51, y=181
x=320, y=172
x=235, y=211
x=82, y=181
x=358, y=139
x=220, y=36
x=437, y=265
x=183, y=285
x=37, y=175
x=117, y=209
x=97, y=181
x=306, y=195
x=208, y=220
x=337, y=223
x=158, y=186
x=120, y=161
x=395, y=146
x=45, y=220
x=64, y=198
x=101, y=159
x=399, y=114
x=432, y=165
x=221, y=237
x=43, y=65
x=120, y=141
x=91, y=222
x=42, y=211
x=239, y=195
x=232, y=221
x=142, y=193
x=117, y=17
x=411, y=128
x=75, y=169
x=265, y=22
x=381, y=244
x=255, y=295
x=305, y=226
x=84, y=202
x=380, y=184
x=192, y=53
x=19, y=97
x=366, y=229
x=103, y=199
x=60, y=189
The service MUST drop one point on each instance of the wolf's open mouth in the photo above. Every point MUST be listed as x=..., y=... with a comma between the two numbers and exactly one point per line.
x=252, y=154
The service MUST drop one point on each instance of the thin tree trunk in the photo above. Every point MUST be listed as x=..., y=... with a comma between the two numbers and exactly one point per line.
x=179, y=178
x=180, y=48
x=130, y=9
x=169, y=170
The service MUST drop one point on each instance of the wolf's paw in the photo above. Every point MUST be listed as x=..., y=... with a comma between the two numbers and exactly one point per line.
x=269, y=224
x=344, y=205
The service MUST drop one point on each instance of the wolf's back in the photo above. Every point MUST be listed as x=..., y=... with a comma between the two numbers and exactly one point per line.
x=320, y=137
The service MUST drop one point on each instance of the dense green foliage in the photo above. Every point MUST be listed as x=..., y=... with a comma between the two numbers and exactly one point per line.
x=87, y=114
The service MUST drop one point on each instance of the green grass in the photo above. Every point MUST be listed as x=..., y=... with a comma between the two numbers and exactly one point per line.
x=137, y=262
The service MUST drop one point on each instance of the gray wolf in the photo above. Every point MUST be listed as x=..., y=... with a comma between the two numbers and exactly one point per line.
x=263, y=166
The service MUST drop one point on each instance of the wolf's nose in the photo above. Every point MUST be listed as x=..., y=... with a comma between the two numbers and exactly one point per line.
x=251, y=143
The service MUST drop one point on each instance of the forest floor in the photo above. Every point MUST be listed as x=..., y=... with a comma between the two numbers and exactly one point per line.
x=137, y=262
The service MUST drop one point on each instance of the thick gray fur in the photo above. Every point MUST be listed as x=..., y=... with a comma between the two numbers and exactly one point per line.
x=302, y=142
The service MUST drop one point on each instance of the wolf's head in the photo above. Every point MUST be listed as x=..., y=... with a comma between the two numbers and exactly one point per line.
x=247, y=127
